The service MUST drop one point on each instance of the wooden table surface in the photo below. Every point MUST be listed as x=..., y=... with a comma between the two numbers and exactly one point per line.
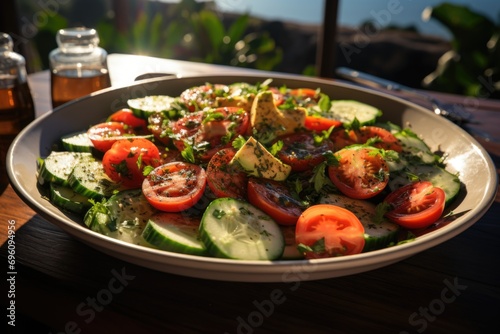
x=64, y=286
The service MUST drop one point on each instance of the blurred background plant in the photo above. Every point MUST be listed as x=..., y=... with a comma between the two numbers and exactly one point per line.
x=186, y=30
x=466, y=63
x=472, y=66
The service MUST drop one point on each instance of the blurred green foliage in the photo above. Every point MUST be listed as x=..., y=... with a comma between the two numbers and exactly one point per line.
x=472, y=66
x=188, y=30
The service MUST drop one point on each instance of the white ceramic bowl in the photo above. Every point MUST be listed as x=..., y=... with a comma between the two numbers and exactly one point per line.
x=465, y=156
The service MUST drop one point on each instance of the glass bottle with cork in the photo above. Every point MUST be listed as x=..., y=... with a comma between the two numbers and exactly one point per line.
x=16, y=104
x=78, y=66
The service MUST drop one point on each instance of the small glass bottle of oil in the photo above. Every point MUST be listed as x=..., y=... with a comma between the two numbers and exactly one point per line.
x=16, y=104
x=78, y=66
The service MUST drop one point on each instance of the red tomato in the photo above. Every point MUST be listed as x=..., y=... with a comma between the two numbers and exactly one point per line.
x=225, y=180
x=104, y=135
x=126, y=116
x=277, y=95
x=318, y=124
x=329, y=231
x=416, y=205
x=274, y=198
x=203, y=96
x=159, y=126
x=301, y=153
x=384, y=139
x=210, y=130
x=360, y=173
x=124, y=162
x=175, y=186
x=304, y=93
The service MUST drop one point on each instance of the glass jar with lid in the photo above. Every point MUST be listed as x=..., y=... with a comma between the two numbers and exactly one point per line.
x=16, y=103
x=78, y=66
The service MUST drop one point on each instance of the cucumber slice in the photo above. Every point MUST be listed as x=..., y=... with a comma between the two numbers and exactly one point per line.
x=123, y=216
x=89, y=179
x=65, y=198
x=415, y=148
x=144, y=107
x=77, y=142
x=57, y=167
x=378, y=234
x=174, y=232
x=291, y=252
x=234, y=229
x=439, y=177
x=348, y=110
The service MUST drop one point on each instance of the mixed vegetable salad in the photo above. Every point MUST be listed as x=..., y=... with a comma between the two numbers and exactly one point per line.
x=250, y=172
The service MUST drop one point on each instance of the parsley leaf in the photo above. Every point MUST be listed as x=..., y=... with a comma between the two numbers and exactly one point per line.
x=276, y=147
x=188, y=154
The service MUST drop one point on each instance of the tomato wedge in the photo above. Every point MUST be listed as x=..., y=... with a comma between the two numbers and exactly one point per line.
x=159, y=126
x=225, y=180
x=104, y=135
x=126, y=116
x=203, y=96
x=381, y=138
x=329, y=230
x=318, y=123
x=361, y=172
x=125, y=161
x=275, y=199
x=209, y=130
x=175, y=186
x=416, y=205
x=300, y=151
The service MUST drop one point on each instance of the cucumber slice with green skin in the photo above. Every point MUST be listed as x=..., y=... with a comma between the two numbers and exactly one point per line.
x=379, y=233
x=235, y=229
x=123, y=216
x=65, y=198
x=77, y=142
x=348, y=110
x=144, y=107
x=89, y=179
x=57, y=167
x=415, y=148
x=439, y=177
x=174, y=232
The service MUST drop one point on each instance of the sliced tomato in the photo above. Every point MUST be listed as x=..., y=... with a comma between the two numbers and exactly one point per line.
x=210, y=130
x=104, y=135
x=416, y=205
x=225, y=180
x=304, y=93
x=279, y=98
x=329, y=231
x=203, y=96
x=159, y=126
x=125, y=161
x=381, y=138
x=126, y=116
x=300, y=151
x=361, y=172
x=275, y=199
x=318, y=123
x=175, y=186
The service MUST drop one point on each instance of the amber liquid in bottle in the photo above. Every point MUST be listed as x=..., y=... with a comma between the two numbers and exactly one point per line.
x=69, y=84
x=16, y=111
